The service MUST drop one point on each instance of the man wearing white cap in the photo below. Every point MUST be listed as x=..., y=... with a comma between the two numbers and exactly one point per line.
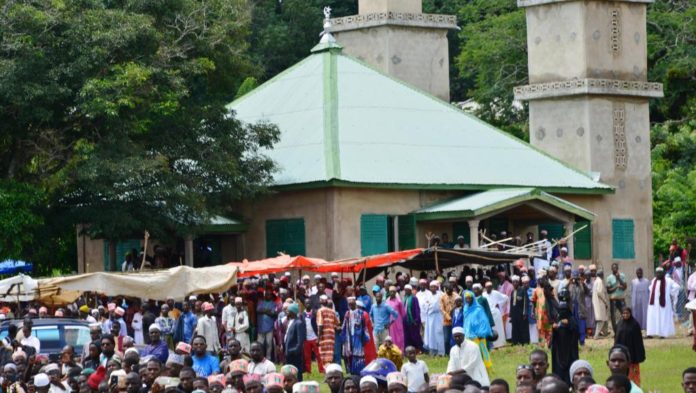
x=465, y=355
x=227, y=313
x=368, y=384
x=663, y=299
x=238, y=324
x=157, y=347
x=317, y=279
x=434, y=332
x=41, y=382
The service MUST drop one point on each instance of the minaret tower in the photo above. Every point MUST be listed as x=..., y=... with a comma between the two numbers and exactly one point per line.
x=397, y=38
x=588, y=106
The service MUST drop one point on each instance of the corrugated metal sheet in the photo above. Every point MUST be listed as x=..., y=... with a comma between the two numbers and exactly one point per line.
x=390, y=134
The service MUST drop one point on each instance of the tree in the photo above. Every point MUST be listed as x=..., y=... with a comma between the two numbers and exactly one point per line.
x=115, y=110
x=283, y=32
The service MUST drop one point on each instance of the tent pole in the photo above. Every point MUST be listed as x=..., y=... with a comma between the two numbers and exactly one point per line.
x=437, y=263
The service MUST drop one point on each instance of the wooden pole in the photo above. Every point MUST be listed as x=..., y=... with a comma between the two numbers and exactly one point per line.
x=142, y=263
x=437, y=262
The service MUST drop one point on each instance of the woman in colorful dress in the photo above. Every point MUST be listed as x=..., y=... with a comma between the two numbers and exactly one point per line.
x=541, y=296
x=477, y=327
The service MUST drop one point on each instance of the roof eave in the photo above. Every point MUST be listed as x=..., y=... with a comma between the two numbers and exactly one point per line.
x=439, y=187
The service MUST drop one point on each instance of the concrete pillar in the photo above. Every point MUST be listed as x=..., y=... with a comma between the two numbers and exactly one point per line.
x=568, y=230
x=473, y=233
x=188, y=250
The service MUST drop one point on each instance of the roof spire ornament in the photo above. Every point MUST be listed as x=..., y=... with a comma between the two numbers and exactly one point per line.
x=326, y=36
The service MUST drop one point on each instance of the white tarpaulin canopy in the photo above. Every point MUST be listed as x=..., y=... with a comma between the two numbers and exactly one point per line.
x=176, y=282
x=19, y=287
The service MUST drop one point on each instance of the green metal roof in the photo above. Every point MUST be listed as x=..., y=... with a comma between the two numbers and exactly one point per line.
x=489, y=201
x=343, y=122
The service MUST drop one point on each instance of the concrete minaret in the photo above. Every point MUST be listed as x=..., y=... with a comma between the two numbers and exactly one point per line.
x=397, y=38
x=588, y=106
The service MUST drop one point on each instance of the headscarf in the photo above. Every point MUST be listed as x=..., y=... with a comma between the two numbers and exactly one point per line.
x=628, y=334
x=475, y=320
x=578, y=364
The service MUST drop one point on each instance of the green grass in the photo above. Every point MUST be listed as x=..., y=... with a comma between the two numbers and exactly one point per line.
x=666, y=359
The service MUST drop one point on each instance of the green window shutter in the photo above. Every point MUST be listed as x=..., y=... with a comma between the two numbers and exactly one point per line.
x=287, y=236
x=622, y=239
x=497, y=225
x=556, y=231
x=407, y=232
x=122, y=248
x=582, y=241
x=461, y=229
x=374, y=234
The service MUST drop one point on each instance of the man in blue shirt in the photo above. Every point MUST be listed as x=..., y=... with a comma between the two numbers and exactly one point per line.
x=266, y=314
x=186, y=324
x=204, y=363
x=382, y=316
x=157, y=348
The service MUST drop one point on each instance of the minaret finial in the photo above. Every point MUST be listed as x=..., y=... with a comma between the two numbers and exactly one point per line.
x=326, y=36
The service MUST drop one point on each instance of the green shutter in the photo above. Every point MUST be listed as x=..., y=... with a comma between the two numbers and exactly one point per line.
x=556, y=231
x=407, y=232
x=622, y=239
x=461, y=229
x=374, y=235
x=582, y=241
x=497, y=225
x=122, y=248
x=286, y=236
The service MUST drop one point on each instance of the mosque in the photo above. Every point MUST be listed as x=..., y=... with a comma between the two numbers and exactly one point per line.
x=374, y=158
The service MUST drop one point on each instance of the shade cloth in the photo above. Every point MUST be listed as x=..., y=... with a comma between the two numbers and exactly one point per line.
x=176, y=282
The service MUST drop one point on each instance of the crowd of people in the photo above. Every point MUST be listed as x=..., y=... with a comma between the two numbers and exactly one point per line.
x=266, y=333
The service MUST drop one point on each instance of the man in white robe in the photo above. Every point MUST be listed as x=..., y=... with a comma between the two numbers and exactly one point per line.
x=663, y=299
x=498, y=302
x=434, y=333
x=640, y=294
x=466, y=355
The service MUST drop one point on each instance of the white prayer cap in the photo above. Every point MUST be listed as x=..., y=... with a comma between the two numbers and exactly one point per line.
x=305, y=277
x=515, y=278
x=317, y=276
x=458, y=330
x=476, y=286
x=659, y=269
x=154, y=327
x=51, y=367
x=131, y=349
x=368, y=379
x=435, y=283
x=525, y=278
x=452, y=279
x=677, y=259
x=323, y=297
x=408, y=286
x=564, y=249
x=488, y=284
x=593, y=267
x=10, y=366
x=41, y=380
x=413, y=281
x=333, y=367
x=238, y=300
x=469, y=279
x=388, y=338
x=359, y=303
x=542, y=273
x=460, y=237
x=334, y=274
x=193, y=297
x=288, y=274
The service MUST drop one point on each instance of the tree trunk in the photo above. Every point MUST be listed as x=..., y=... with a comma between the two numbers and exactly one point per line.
x=112, y=256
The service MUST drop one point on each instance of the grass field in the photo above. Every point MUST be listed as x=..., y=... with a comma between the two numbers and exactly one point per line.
x=666, y=359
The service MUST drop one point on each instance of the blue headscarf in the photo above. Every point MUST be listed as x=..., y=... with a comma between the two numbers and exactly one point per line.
x=475, y=320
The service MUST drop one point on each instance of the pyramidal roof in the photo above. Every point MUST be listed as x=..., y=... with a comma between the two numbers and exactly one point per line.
x=343, y=122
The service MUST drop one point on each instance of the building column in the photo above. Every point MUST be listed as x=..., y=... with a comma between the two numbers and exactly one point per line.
x=473, y=233
x=188, y=250
x=568, y=230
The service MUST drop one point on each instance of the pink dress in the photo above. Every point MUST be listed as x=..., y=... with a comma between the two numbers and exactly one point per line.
x=396, y=330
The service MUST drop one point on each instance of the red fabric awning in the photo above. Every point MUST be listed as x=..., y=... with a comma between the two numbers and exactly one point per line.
x=285, y=263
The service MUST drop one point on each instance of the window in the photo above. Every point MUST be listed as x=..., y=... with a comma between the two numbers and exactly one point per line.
x=556, y=231
x=496, y=225
x=622, y=239
x=374, y=234
x=461, y=229
x=49, y=337
x=122, y=248
x=286, y=236
x=582, y=240
x=407, y=232
x=77, y=336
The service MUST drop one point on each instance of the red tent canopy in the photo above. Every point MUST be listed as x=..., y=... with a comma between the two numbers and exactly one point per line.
x=285, y=263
